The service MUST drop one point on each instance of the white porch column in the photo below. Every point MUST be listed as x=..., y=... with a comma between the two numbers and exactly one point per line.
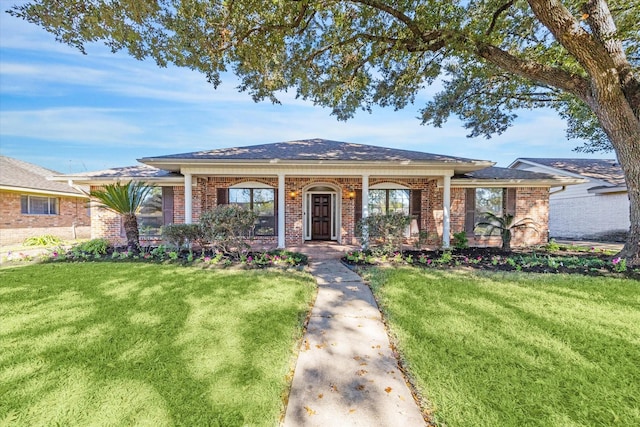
x=365, y=196
x=188, y=199
x=446, y=214
x=281, y=214
x=365, y=210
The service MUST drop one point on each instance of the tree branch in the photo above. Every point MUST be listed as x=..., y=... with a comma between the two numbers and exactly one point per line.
x=497, y=13
x=532, y=70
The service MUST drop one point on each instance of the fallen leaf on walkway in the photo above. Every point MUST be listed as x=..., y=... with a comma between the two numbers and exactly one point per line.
x=388, y=389
x=401, y=398
x=351, y=411
x=320, y=345
x=360, y=387
x=363, y=363
x=306, y=345
x=357, y=358
x=334, y=388
x=361, y=372
x=320, y=396
x=310, y=411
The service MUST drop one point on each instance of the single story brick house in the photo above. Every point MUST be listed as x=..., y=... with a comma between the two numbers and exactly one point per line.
x=31, y=205
x=318, y=189
x=597, y=209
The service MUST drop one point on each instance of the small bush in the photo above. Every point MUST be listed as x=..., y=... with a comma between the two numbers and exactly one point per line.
x=95, y=247
x=384, y=231
x=180, y=235
x=552, y=246
x=460, y=240
x=44, y=240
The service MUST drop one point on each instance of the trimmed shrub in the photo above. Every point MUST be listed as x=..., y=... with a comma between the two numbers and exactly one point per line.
x=182, y=235
x=386, y=232
x=95, y=247
x=228, y=228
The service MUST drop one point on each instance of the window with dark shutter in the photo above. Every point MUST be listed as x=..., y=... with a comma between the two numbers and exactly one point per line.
x=357, y=214
x=222, y=196
x=510, y=204
x=167, y=205
x=470, y=211
x=416, y=205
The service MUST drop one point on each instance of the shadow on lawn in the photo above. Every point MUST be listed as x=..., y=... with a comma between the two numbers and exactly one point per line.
x=489, y=352
x=142, y=344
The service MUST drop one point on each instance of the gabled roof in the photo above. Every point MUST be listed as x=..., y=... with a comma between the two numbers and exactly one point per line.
x=22, y=176
x=505, y=176
x=606, y=170
x=309, y=151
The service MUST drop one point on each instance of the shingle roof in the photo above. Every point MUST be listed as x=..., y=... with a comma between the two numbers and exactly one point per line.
x=607, y=170
x=506, y=173
x=137, y=171
x=312, y=149
x=23, y=175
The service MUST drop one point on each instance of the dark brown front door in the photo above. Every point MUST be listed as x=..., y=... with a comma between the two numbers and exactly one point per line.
x=321, y=217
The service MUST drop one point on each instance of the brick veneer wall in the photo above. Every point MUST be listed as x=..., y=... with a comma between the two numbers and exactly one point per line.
x=531, y=202
x=72, y=221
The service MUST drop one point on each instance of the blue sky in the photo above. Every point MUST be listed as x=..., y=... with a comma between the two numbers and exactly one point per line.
x=72, y=113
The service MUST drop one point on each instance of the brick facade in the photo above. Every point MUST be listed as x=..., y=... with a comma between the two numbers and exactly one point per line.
x=531, y=202
x=71, y=222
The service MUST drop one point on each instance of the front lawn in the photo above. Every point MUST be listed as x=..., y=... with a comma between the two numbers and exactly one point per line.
x=144, y=344
x=509, y=349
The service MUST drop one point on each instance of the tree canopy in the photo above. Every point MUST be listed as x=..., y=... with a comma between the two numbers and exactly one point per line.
x=579, y=57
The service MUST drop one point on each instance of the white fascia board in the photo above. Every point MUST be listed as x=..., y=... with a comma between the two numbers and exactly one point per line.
x=45, y=192
x=316, y=170
x=605, y=190
x=87, y=180
x=276, y=164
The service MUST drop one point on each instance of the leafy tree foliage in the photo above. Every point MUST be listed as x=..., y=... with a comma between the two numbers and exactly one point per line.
x=494, y=57
x=126, y=200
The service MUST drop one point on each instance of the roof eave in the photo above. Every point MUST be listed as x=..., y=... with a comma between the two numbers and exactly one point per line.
x=521, y=182
x=41, y=191
x=175, y=165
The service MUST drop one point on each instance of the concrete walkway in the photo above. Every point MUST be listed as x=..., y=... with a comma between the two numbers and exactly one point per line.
x=346, y=374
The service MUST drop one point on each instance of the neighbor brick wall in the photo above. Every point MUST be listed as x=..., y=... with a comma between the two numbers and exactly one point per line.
x=72, y=222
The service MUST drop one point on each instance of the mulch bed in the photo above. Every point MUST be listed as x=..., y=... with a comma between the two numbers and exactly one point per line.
x=592, y=262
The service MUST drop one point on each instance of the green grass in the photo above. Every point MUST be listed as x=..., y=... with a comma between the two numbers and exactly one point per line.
x=491, y=349
x=138, y=344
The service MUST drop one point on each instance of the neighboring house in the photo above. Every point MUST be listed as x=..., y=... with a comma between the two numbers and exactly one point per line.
x=596, y=209
x=32, y=205
x=318, y=189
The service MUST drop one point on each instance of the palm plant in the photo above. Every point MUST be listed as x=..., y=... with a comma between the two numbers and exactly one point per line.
x=505, y=224
x=125, y=200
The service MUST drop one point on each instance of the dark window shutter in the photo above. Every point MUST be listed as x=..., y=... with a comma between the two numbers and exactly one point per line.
x=275, y=212
x=357, y=214
x=167, y=205
x=223, y=196
x=470, y=210
x=510, y=204
x=416, y=205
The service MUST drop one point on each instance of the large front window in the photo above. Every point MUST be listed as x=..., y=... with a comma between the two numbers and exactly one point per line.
x=150, y=218
x=487, y=200
x=382, y=202
x=35, y=205
x=262, y=202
